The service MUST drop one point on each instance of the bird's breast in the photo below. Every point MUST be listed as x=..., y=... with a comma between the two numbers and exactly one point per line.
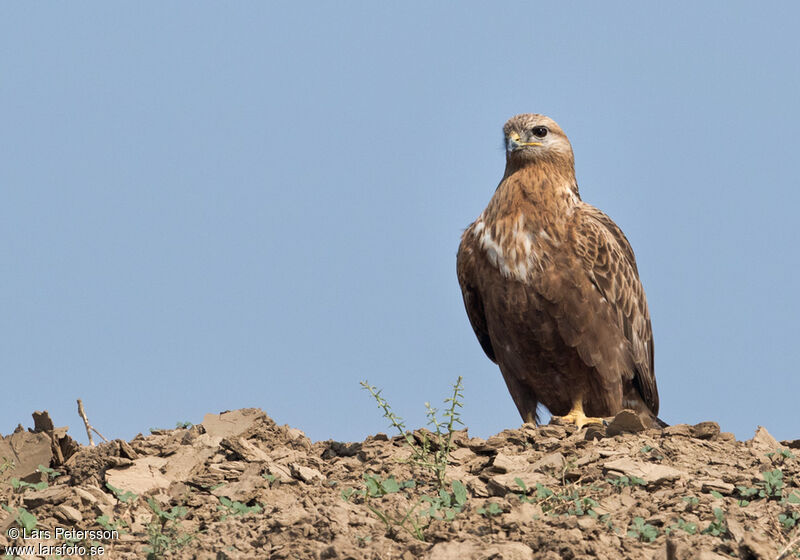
x=514, y=245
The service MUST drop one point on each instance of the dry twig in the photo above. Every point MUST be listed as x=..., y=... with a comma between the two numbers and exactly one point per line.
x=789, y=547
x=89, y=427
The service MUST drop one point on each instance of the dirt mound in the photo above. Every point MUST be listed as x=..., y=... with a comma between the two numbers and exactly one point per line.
x=240, y=486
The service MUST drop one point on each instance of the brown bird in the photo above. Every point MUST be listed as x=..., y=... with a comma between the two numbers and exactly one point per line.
x=551, y=288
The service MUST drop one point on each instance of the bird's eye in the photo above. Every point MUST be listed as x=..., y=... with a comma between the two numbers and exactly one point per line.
x=539, y=131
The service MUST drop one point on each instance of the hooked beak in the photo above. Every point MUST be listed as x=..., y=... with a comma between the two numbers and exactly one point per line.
x=515, y=143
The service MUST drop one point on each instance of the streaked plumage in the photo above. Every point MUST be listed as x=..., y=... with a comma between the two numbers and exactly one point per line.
x=551, y=287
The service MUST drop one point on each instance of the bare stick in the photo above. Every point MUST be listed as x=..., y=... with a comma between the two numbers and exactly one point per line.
x=89, y=427
x=789, y=547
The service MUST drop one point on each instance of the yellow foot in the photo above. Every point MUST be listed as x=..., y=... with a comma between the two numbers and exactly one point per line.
x=578, y=418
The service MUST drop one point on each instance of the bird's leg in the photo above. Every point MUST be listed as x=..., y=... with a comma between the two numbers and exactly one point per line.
x=576, y=415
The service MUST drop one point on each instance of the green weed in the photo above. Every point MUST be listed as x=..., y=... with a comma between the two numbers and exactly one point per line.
x=23, y=517
x=623, y=481
x=490, y=510
x=436, y=457
x=681, y=525
x=164, y=532
x=643, y=531
x=122, y=495
x=718, y=527
x=105, y=522
x=231, y=508
x=21, y=485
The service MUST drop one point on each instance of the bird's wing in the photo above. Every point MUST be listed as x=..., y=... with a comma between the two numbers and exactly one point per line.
x=610, y=265
x=465, y=267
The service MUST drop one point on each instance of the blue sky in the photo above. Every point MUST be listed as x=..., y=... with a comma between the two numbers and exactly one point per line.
x=209, y=207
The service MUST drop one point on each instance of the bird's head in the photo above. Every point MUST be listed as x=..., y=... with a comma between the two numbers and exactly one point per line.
x=530, y=138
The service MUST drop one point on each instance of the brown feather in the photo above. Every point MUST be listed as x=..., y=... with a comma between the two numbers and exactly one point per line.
x=552, y=291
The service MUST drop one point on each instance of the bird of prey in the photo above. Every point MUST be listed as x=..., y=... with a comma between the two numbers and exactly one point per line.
x=552, y=291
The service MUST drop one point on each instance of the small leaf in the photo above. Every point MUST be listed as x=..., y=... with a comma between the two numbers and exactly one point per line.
x=390, y=485
x=717, y=495
x=26, y=519
x=459, y=492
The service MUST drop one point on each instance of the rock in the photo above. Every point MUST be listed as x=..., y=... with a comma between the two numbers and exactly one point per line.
x=649, y=472
x=504, y=463
x=306, y=474
x=141, y=477
x=244, y=449
x=508, y=551
x=69, y=514
x=478, y=488
x=243, y=490
x=763, y=442
x=735, y=529
x=552, y=461
x=461, y=455
x=710, y=555
x=626, y=421
x=126, y=450
x=713, y=485
x=479, y=551
x=793, y=444
x=756, y=547
x=280, y=472
x=340, y=449
x=187, y=460
x=552, y=430
x=52, y=495
x=705, y=430
x=231, y=423
x=678, y=430
x=501, y=484
x=85, y=497
x=28, y=451
x=593, y=431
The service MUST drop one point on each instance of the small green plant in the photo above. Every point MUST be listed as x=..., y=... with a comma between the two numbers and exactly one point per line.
x=789, y=520
x=623, y=481
x=21, y=485
x=445, y=505
x=347, y=493
x=183, y=425
x=574, y=500
x=230, y=508
x=164, y=532
x=6, y=465
x=718, y=527
x=643, y=531
x=375, y=487
x=781, y=454
x=51, y=473
x=771, y=487
x=652, y=452
x=123, y=496
x=272, y=479
x=105, y=522
x=431, y=455
x=681, y=525
x=23, y=517
x=490, y=510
